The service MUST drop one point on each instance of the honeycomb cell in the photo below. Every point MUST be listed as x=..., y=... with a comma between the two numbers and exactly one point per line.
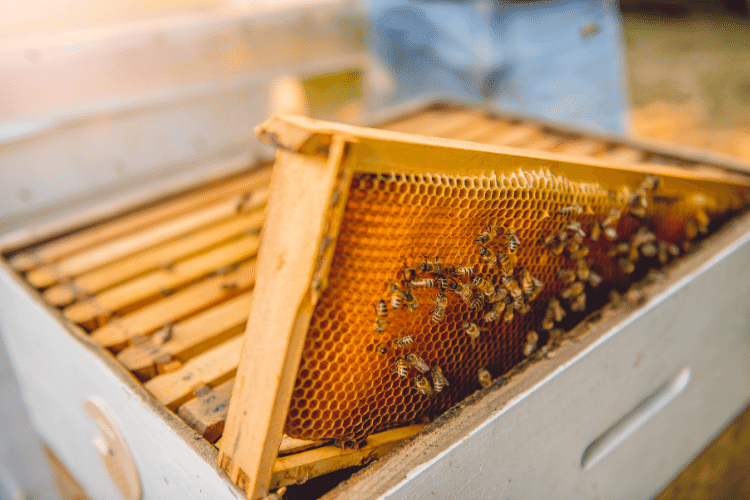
x=387, y=225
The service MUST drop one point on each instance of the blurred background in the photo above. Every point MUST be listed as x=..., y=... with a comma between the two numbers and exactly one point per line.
x=98, y=98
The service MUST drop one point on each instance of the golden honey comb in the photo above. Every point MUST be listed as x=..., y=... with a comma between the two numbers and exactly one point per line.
x=345, y=388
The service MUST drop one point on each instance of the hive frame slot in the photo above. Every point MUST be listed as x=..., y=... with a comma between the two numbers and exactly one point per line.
x=300, y=215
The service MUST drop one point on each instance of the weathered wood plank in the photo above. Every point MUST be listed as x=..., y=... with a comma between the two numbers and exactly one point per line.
x=155, y=282
x=209, y=368
x=75, y=242
x=162, y=256
x=206, y=414
x=300, y=467
x=175, y=307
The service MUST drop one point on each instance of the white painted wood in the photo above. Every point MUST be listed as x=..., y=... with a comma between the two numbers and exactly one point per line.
x=58, y=372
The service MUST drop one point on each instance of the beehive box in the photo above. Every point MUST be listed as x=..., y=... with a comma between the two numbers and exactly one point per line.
x=156, y=298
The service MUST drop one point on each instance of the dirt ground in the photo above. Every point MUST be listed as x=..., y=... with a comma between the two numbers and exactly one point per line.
x=689, y=79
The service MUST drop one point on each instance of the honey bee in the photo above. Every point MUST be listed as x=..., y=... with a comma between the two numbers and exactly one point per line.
x=513, y=287
x=578, y=303
x=642, y=236
x=403, y=341
x=610, y=233
x=550, y=240
x=558, y=249
x=530, y=346
x=626, y=265
x=573, y=246
x=434, y=266
x=508, y=316
x=575, y=228
x=463, y=290
x=381, y=320
x=484, y=377
x=489, y=234
x=423, y=385
x=441, y=282
x=276, y=495
x=461, y=271
x=661, y=252
x=527, y=285
x=425, y=283
x=574, y=209
x=613, y=217
x=651, y=182
x=673, y=250
x=495, y=313
x=416, y=362
x=512, y=241
x=548, y=323
x=483, y=285
x=573, y=290
x=477, y=302
x=488, y=256
x=505, y=264
x=472, y=330
x=582, y=252
x=410, y=274
x=402, y=367
x=702, y=219
x=441, y=303
x=537, y=287
x=555, y=335
x=397, y=295
x=648, y=249
x=500, y=294
x=594, y=279
x=438, y=379
x=691, y=230
x=558, y=313
x=582, y=270
x=411, y=301
x=620, y=248
x=566, y=275
x=595, y=231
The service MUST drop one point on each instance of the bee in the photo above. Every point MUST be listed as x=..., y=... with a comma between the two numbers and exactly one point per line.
x=558, y=249
x=513, y=287
x=522, y=306
x=566, y=275
x=163, y=334
x=483, y=285
x=397, y=295
x=508, y=316
x=620, y=248
x=702, y=219
x=381, y=349
x=548, y=323
x=512, y=241
x=613, y=217
x=537, y=287
x=578, y=303
x=610, y=233
x=673, y=250
x=582, y=252
x=489, y=234
x=626, y=265
x=573, y=290
x=661, y=252
x=488, y=256
x=651, y=182
x=473, y=330
x=477, y=302
x=643, y=235
x=425, y=283
x=558, y=313
x=402, y=367
x=575, y=227
x=441, y=303
x=506, y=265
x=595, y=231
x=594, y=279
x=499, y=295
x=554, y=336
x=276, y=495
x=495, y=313
x=381, y=320
x=648, y=249
x=423, y=385
x=410, y=274
x=416, y=362
x=527, y=285
x=550, y=240
x=463, y=290
x=411, y=301
x=530, y=346
x=573, y=246
x=403, y=341
x=461, y=271
x=434, y=266
x=691, y=230
x=582, y=270
x=484, y=377
x=441, y=282
x=438, y=379
x=574, y=209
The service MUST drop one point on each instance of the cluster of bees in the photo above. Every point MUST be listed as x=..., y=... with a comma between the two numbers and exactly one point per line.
x=515, y=288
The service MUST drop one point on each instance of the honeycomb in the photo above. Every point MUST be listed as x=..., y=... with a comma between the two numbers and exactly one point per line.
x=347, y=389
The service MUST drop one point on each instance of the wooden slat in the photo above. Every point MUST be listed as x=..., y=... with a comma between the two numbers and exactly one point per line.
x=290, y=445
x=154, y=282
x=161, y=256
x=582, y=147
x=300, y=467
x=190, y=336
x=294, y=274
x=80, y=240
x=518, y=136
x=209, y=368
x=451, y=122
x=141, y=240
x=625, y=154
x=174, y=307
x=206, y=414
x=420, y=121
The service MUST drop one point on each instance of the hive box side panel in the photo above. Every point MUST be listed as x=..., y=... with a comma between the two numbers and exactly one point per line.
x=58, y=373
x=684, y=357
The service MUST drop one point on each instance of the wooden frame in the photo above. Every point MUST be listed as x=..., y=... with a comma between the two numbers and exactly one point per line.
x=314, y=165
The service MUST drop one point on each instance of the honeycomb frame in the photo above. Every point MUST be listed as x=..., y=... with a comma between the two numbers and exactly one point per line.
x=363, y=168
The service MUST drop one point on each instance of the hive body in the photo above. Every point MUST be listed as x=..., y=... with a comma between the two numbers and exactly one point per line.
x=347, y=387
